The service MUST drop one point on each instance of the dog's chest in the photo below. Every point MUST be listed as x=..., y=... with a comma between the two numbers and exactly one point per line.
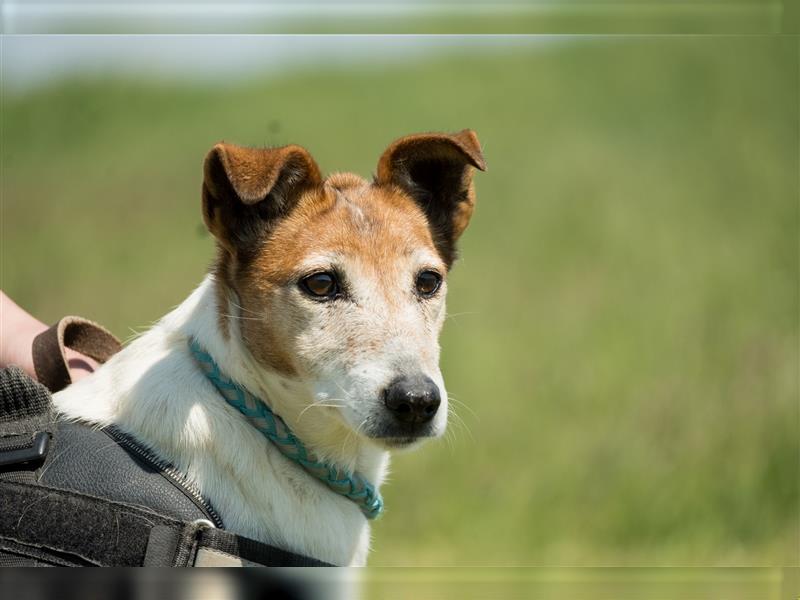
x=271, y=499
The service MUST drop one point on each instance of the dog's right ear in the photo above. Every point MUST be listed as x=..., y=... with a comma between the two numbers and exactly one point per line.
x=245, y=190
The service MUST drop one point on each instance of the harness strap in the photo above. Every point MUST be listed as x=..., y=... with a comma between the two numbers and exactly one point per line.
x=235, y=548
x=84, y=530
x=77, y=333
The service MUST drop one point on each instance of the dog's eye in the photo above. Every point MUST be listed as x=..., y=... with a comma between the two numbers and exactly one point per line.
x=428, y=283
x=320, y=285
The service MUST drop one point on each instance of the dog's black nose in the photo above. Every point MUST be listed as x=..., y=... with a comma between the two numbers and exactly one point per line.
x=412, y=399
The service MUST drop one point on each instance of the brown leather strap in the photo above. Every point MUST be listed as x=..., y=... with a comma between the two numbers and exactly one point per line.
x=79, y=334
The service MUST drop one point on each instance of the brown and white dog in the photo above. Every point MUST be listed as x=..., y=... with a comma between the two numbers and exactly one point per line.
x=326, y=300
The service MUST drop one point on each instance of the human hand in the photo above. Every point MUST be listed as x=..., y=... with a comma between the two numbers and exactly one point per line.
x=17, y=332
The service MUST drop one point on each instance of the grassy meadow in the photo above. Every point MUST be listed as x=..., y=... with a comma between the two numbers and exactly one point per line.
x=623, y=331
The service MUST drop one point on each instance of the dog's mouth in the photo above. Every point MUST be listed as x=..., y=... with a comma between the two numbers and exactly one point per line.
x=397, y=435
x=400, y=443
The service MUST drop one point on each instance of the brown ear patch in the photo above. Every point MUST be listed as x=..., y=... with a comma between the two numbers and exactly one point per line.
x=245, y=188
x=436, y=170
x=463, y=146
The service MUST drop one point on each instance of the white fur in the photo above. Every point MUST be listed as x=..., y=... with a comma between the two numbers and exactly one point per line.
x=153, y=390
x=395, y=332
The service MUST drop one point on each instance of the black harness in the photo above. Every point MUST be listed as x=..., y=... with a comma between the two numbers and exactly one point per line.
x=74, y=495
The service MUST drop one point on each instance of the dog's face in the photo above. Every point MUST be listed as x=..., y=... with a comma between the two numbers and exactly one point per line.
x=341, y=282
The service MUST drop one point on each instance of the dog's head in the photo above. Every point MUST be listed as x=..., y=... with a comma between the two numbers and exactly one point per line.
x=341, y=282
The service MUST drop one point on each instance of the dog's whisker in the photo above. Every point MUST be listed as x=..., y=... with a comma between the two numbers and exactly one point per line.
x=346, y=440
x=364, y=422
x=461, y=314
x=324, y=403
x=451, y=411
x=344, y=391
x=351, y=433
x=466, y=406
x=242, y=308
x=451, y=432
x=459, y=421
x=320, y=405
x=241, y=318
x=449, y=441
x=453, y=439
x=239, y=306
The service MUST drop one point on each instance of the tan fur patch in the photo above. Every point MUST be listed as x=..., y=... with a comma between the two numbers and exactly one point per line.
x=347, y=216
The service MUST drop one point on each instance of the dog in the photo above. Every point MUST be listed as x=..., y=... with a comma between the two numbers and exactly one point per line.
x=325, y=301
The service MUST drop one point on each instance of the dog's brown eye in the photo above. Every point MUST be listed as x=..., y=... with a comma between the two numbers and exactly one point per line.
x=428, y=283
x=320, y=285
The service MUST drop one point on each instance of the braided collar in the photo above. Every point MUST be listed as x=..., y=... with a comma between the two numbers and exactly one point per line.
x=350, y=485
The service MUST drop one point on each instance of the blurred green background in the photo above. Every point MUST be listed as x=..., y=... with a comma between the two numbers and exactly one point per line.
x=623, y=338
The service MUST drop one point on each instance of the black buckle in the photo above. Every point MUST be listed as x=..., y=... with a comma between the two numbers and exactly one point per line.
x=28, y=450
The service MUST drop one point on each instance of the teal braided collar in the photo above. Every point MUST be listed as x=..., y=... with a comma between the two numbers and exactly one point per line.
x=351, y=485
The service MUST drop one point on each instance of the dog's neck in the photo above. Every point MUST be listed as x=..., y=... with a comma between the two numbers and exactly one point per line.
x=318, y=427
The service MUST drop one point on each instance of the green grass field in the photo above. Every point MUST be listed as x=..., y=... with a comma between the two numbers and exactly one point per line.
x=623, y=340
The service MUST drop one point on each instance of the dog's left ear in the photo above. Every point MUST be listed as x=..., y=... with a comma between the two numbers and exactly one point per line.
x=436, y=170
